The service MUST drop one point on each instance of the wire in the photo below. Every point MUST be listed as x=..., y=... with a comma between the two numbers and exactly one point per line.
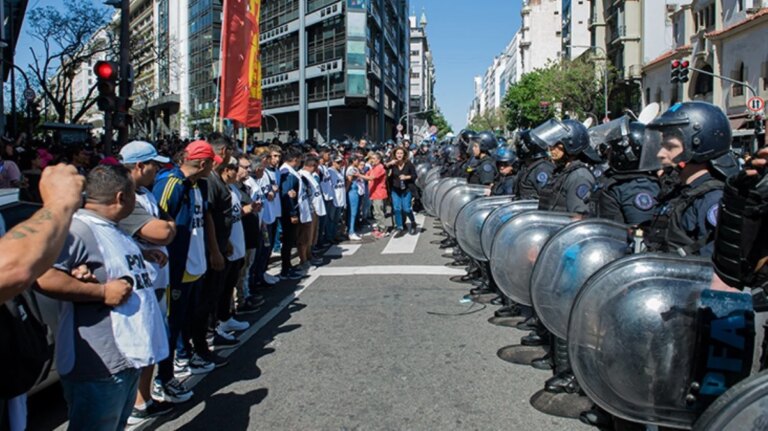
x=467, y=312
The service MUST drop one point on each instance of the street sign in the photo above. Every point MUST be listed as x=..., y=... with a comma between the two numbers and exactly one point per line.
x=756, y=104
x=399, y=127
x=432, y=130
x=29, y=95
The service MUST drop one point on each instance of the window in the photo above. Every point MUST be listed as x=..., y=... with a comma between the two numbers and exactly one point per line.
x=648, y=95
x=704, y=83
x=765, y=76
x=739, y=75
x=739, y=5
x=415, y=75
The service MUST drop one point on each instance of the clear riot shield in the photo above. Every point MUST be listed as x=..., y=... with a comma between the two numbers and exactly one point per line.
x=470, y=220
x=496, y=220
x=649, y=342
x=454, y=201
x=565, y=263
x=516, y=248
x=443, y=188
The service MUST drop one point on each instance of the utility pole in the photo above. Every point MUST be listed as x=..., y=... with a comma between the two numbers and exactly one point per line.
x=125, y=84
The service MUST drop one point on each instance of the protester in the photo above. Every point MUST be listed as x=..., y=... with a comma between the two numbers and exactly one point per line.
x=153, y=231
x=295, y=208
x=308, y=232
x=377, y=184
x=325, y=179
x=100, y=350
x=403, y=176
x=339, y=197
x=355, y=193
x=246, y=299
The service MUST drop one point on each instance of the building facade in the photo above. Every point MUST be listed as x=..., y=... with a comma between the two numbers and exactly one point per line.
x=338, y=62
x=422, y=68
x=575, y=33
x=540, y=34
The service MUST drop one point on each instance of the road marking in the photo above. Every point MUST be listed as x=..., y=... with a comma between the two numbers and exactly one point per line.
x=342, y=250
x=338, y=271
x=405, y=244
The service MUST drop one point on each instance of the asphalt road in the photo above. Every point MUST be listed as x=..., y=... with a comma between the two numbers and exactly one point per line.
x=358, y=346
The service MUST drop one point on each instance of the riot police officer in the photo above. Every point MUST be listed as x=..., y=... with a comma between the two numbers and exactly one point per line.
x=422, y=155
x=568, y=144
x=535, y=168
x=506, y=161
x=483, y=170
x=694, y=142
x=625, y=193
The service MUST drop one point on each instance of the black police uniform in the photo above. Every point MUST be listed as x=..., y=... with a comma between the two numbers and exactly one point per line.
x=532, y=179
x=504, y=185
x=483, y=172
x=686, y=219
x=629, y=198
x=569, y=190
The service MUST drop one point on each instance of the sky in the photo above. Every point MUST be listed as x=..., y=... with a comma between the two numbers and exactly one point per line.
x=464, y=37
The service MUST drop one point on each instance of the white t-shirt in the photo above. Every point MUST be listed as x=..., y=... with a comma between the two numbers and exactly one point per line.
x=270, y=210
x=326, y=184
x=196, y=264
x=237, y=237
x=147, y=200
x=339, y=188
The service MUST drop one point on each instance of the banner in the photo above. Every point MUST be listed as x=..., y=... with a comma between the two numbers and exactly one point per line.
x=240, y=98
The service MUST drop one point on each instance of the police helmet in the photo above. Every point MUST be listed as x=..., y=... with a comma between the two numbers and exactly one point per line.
x=703, y=128
x=526, y=149
x=506, y=155
x=467, y=135
x=486, y=140
x=625, y=153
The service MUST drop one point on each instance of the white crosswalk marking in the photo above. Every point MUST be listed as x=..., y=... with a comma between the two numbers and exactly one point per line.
x=405, y=244
x=342, y=250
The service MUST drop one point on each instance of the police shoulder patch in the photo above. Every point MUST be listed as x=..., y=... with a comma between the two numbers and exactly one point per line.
x=487, y=167
x=582, y=190
x=542, y=178
x=712, y=214
x=643, y=201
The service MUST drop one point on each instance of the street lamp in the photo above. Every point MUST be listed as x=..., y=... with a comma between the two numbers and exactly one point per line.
x=277, y=125
x=327, y=69
x=605, y=73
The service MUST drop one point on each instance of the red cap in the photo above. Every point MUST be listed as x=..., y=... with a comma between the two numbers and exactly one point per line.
x=199, y=150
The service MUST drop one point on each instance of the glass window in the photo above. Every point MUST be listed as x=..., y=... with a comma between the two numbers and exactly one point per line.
x=356, y=53
x=357, y=83
x=356, y=24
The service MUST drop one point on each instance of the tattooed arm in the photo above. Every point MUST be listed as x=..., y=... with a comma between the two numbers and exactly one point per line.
x=32, y=246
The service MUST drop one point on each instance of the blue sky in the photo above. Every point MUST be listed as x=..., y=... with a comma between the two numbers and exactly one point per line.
x=464, y=37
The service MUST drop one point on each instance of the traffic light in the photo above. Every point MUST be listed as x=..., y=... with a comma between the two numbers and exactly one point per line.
x=684, y=71
x=675, y=72
x=106, y=83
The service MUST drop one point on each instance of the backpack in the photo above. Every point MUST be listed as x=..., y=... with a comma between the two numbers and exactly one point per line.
x=28, y=345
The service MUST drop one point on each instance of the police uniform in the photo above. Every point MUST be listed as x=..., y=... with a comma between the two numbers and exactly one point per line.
x=532, y=179
x=569, y=190
x=504, y=186
x=629, y=198
x=686, y=220
x=483, y=172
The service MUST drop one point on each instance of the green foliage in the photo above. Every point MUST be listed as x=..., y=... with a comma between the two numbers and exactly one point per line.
x=436, y=118
x=522, y=102
x=492, y=119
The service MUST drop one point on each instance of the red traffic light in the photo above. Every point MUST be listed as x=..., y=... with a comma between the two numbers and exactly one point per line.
x=685, y=64
x=106, y=70
x=675, y=64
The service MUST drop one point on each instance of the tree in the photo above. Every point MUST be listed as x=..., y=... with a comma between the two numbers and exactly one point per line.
x=523, y=102
x=67, y=44
x=436, y=118
x=578, y=86
x=490, y=119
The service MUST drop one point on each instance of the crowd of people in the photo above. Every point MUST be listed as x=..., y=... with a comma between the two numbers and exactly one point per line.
x=169, y=247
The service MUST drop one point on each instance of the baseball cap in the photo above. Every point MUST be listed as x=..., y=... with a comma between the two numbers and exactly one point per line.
x=141, y=151
x=199, y=150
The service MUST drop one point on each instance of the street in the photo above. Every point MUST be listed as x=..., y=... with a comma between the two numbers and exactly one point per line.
x=355, y=346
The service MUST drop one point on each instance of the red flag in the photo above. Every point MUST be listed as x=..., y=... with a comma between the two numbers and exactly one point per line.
x=238, y=100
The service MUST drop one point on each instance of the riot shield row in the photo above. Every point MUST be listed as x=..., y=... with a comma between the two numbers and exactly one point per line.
x=647, y=341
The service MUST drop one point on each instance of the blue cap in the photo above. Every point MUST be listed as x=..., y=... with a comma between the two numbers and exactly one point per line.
x=141, y=151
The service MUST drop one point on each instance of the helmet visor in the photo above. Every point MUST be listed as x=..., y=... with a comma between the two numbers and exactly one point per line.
x=602, y=136
x=649, y=157
x=549, y=133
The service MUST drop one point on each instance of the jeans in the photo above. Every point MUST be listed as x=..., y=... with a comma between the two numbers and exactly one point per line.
x=401, y=203
x=207, y=305
x=332, y=221
x=261, y=261
x=354, y=206
x=179, y=317
x=101, y=404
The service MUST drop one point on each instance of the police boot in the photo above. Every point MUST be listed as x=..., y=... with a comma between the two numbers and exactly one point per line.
x=513, y=310
x=497, y=300
x=448, y=243
x=537, y=337
x=529, y=324
x=597, y=417
x=460, y=261
x=545, y=362
x=483, y=289
x=564, y=380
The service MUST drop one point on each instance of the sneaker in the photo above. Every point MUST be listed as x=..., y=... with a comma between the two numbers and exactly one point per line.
x=198, y=365
x=270, y=279
x=181, y=368
x=233, y=325
x=222, y=339
x=354, y=237
x=399, y=233
x=413, y=230
x=290, y=275
x=152, y=410
x=250, y=305
x=316, y=261
x=172, y=392
x=216, y=360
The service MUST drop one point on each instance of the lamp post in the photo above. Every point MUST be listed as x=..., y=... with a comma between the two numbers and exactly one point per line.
x=277, y=125
x=605, y=73
x=327, y=69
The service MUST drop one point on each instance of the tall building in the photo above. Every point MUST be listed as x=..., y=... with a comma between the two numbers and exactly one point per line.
x=491, y=88
x=575, y=34
x=422, y=69
x=540, y=34
x=342, y=62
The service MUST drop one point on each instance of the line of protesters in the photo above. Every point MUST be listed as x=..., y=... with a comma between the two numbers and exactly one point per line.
x=166, y=252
